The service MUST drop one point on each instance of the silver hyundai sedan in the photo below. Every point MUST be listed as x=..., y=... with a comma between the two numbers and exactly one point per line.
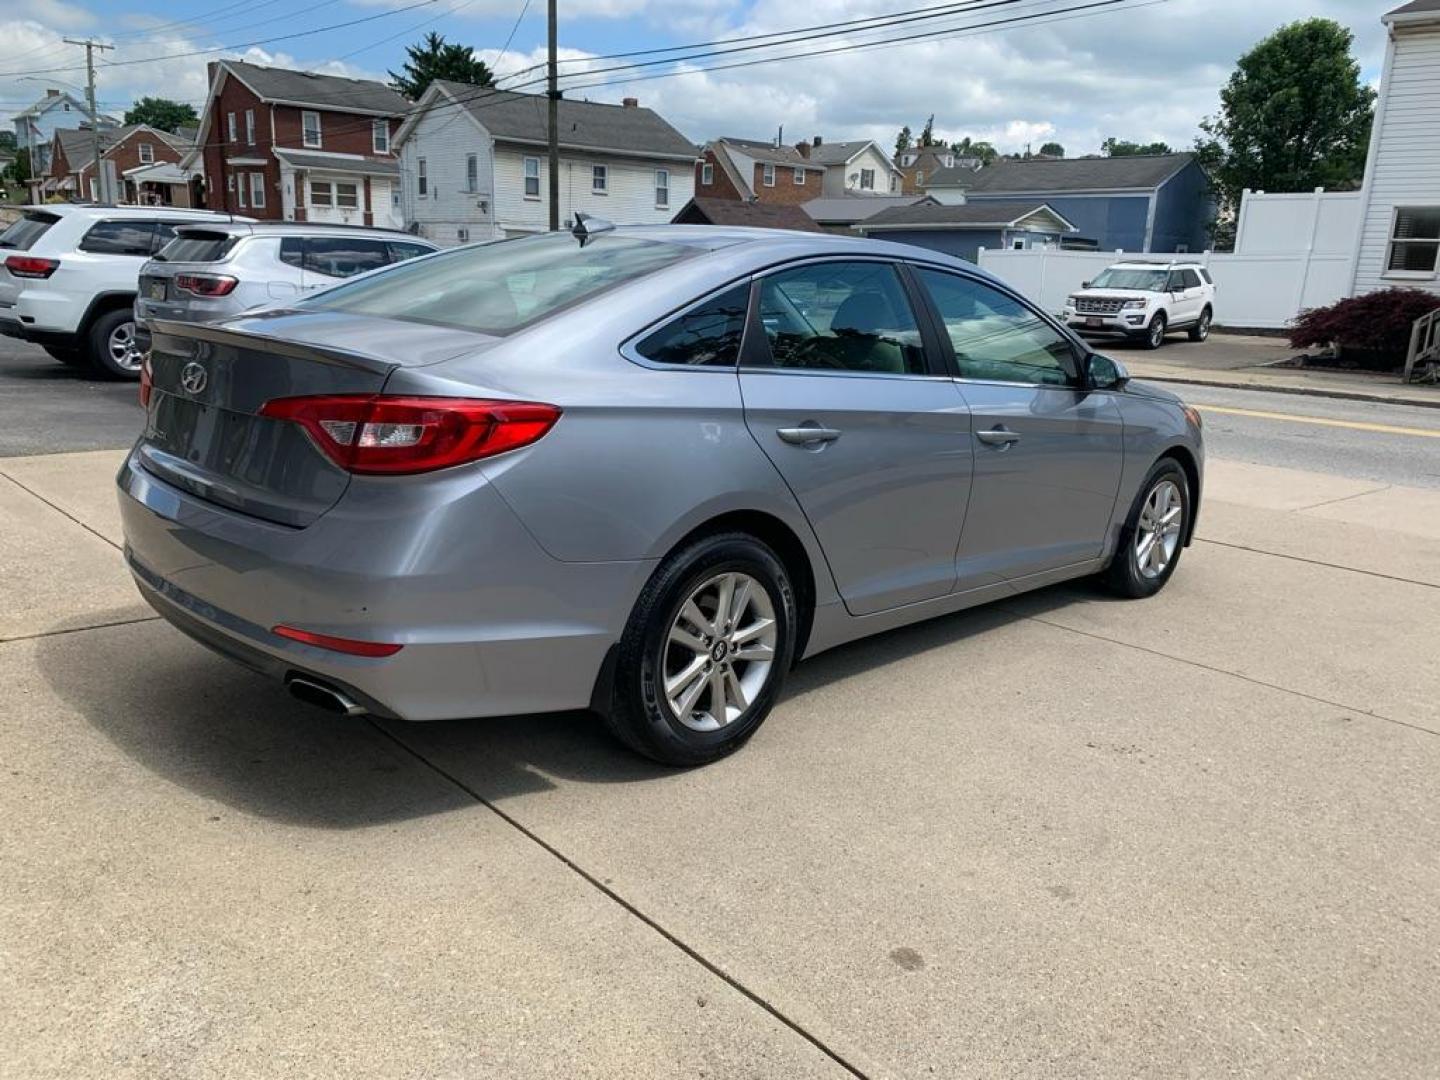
x=639, y=470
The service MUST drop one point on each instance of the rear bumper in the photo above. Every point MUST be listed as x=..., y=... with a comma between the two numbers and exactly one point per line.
x=490, y=624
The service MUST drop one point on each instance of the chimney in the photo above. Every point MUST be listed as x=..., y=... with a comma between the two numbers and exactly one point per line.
x=803, y=149
x=815, y=141
x=630, y=102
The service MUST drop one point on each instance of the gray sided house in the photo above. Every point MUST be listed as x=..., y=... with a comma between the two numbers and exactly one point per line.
x=963, y=229
x=1159, y=202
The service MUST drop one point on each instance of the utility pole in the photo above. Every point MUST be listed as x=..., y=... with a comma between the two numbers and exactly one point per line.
x=554, y=125
x=101, y=187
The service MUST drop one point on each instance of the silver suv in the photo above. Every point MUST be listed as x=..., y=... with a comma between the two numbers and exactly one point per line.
x=1144, y=301
x=210, y=271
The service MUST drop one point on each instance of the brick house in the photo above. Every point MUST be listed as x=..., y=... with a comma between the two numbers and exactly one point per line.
x=296, y=146
x=142, y=167
x=746, y=169
x=72, y=164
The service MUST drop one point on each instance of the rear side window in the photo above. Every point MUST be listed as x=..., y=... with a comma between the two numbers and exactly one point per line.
x=705, y=336
x=835, y=316
x=401, y=252
x=1205, y=276
x=500, y=287
x=21, y=235
x=119, y=238
x=1190, y=279
x=344, y=256
x=193, y=246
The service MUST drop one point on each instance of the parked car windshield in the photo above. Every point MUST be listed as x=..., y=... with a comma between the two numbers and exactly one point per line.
x=1117, y=277
x=500, y=287
x=24, y=232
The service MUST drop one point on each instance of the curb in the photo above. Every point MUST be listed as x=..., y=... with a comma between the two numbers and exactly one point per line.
x=1304, y=391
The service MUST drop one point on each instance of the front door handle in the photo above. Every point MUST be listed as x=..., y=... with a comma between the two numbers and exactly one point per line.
x=807, y=434
x=999, y=436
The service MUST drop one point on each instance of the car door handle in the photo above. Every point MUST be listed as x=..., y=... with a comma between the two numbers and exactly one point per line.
x=998, y=437
x=807, y=434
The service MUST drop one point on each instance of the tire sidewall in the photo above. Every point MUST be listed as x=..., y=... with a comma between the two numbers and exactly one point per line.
x=1152, y=340
x=1125, y=571
x=99, y=344
x=1202, y=328
x=667, y=738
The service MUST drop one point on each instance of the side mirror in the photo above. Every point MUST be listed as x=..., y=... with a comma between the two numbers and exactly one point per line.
x=1084, y=284
x=1104, y=373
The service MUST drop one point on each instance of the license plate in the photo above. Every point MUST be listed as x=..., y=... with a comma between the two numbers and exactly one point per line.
x=157, y=290
x=1094, y=322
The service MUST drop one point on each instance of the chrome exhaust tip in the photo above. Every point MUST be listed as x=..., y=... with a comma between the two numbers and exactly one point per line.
x=326, y=697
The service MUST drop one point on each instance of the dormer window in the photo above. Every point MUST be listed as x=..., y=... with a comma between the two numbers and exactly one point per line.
x=147, y=153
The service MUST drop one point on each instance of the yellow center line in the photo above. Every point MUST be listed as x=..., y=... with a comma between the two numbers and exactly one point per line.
x=1355, y=425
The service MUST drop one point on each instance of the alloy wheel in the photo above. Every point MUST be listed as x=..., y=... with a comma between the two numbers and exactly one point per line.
x=1203, y=328
x=121, y=346
x=1157, y=333
x=719, y=652
x=1157, y=533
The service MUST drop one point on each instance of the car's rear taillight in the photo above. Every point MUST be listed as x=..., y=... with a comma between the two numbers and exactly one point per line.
x=373, y=433
x=31, y=266
x=147, y=382
x=350, y=646
x=205, y=284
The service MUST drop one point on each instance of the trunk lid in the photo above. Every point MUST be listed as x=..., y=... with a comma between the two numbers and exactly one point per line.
x=203, y=432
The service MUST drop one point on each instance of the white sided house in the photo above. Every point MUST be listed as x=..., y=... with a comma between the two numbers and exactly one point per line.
x=1399, y=231
x=853, y=168
x=474, y=164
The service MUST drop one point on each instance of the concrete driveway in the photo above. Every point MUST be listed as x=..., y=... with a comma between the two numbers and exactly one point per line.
x=1070, y=837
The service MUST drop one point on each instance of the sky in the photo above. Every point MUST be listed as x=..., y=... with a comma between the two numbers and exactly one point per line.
x=1143, y=70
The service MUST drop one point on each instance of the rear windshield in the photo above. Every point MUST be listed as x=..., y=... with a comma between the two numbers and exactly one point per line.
x=196, y=246
x=23, y=233
x=500, y=287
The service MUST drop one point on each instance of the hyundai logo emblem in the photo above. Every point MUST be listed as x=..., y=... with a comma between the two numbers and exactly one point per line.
x=193, y=378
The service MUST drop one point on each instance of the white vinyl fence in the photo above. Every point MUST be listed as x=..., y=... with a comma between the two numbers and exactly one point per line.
x=1259, y=291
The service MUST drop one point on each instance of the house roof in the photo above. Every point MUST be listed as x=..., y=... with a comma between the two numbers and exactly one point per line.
x=119, y=135
x=771, y=154
x=703, y=211
x=49, y=101
x=1415, y=7
x=960, y=176
x=1142, y=172
x=584, y=125
x=78, y=146
x=186, y=136
x=837, y=153
x=981, y=215
x=324, y=91
x=301, y=159
x=848, y=209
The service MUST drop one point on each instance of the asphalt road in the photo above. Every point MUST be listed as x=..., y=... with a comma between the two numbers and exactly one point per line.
x=47, y=407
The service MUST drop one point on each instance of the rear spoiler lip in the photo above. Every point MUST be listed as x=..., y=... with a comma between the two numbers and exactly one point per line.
x=298, y=350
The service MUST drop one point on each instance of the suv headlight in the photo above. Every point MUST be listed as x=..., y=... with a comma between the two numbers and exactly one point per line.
x=1134, y=304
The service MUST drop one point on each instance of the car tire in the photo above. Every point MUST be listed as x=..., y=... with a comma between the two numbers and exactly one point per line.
x=68, y=357
x=1155, y=332
x=734, y=668
x=1150, y=547
x=1201, y=330
x=111, y=332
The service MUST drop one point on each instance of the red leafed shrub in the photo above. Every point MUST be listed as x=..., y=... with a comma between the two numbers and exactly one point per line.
x=1377, y=323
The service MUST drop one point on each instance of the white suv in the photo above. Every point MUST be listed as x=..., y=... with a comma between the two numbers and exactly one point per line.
x=1144, y=301
x=68, y=277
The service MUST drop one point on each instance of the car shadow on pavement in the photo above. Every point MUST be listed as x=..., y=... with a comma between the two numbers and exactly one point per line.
x=228, y=735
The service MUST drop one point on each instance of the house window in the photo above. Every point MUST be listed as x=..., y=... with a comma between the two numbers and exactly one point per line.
x=867, y=179
x=147, y=153
x=230, y=126
x=249, y=127
x=347, y=196
x=463, y=235
x=532, y=178
x=662, y=187
x=472, y=173
x=230, y=183
x=310, y=128
x=257, y=190
x=422, y=182
x=1018, y=243
x=599, y=179
x=321, y=194
x=240, y=189
x=799, y=177
x=767, y=175
x=380, y=136
x=1414, y=241
x=707, y=174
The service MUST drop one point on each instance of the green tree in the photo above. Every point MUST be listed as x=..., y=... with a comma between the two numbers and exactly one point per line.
x=1294, y=115
x=967, y=147
x=161, y=113
x=1052, y=149
x=1113, y=147
x=435, y=58
x=927, y=136
x=19, y=169
x=903, y=140
x=7, y=140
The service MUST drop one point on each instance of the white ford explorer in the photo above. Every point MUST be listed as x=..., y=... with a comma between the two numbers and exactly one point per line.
x=1144, y=301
